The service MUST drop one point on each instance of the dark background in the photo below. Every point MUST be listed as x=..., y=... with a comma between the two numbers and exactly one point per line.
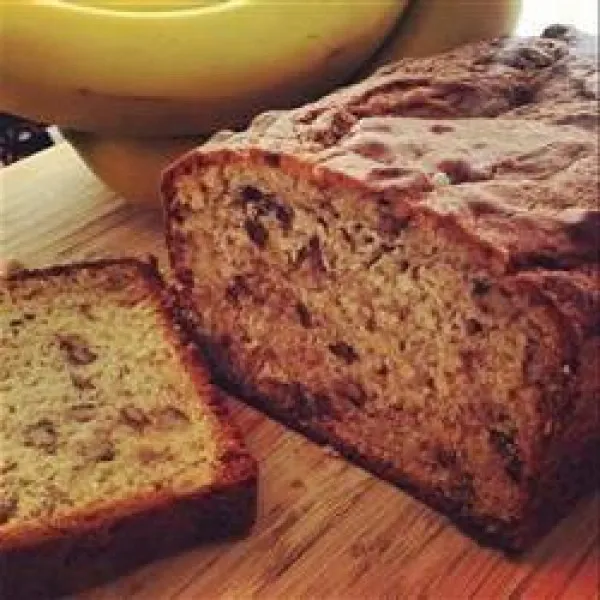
x=20, y=138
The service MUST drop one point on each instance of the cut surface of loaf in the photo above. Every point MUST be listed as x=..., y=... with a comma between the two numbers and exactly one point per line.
x=408, y=270
x=114, y=447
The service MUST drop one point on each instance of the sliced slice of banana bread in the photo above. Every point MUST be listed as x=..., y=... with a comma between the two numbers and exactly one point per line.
x=114, y=447
x=408, y=270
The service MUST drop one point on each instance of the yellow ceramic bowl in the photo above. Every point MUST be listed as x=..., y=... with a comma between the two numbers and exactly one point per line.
x=130, y=166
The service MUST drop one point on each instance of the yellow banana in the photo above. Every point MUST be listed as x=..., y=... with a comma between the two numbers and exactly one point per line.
x=179, y=67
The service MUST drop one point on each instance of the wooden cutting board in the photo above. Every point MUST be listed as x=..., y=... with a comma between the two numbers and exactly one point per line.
x=325, y=528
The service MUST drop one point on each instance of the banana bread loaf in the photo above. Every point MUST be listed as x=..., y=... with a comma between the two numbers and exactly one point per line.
x=407, y=270
x=114, y=448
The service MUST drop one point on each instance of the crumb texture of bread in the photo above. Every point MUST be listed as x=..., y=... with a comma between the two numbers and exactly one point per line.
x=408, y=270
x=102, y=417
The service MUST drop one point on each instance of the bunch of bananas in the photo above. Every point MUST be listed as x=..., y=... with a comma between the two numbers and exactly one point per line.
x=113, y=72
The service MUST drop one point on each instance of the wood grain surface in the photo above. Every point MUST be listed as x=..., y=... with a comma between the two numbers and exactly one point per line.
x=325, y=529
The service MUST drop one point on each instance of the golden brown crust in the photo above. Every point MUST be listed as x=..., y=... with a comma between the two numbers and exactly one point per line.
x=492, y=116
x=118, y=535
x=89, y=556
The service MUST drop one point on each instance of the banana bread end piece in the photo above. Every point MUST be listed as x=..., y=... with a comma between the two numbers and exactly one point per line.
x=115, y=448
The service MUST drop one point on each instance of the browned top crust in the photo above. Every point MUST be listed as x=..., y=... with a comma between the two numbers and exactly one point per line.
x=502, y=136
